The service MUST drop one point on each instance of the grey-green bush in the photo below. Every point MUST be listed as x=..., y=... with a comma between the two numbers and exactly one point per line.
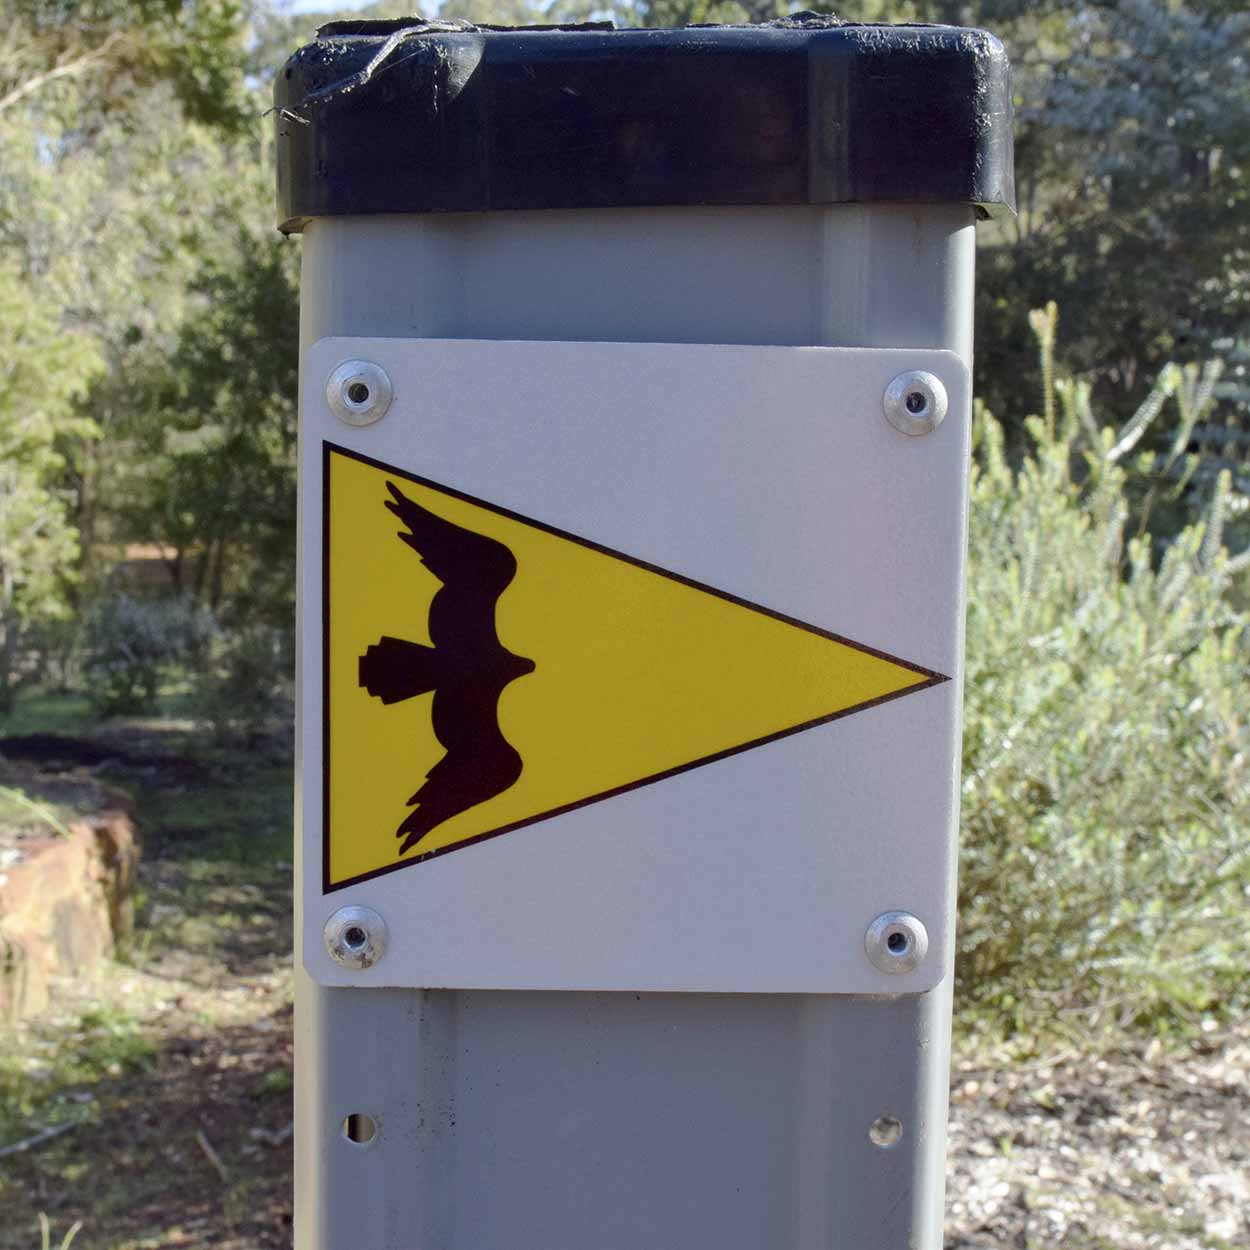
x=246, y=684
x=1106, y=795
x=131, y=644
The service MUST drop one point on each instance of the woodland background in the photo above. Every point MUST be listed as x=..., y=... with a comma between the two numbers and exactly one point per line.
x=148, y=330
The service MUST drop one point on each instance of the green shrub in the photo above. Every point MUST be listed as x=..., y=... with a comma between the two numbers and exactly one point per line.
x=245, y=685
x=1106, y=797
x=45, y=1233
x=131, y=644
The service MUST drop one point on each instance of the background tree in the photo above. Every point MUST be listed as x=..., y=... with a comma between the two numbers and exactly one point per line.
x=111, y=50
x=1133, y=153
x=210, y=466
x=136, y=214
x=44, y=374
x=124, y=127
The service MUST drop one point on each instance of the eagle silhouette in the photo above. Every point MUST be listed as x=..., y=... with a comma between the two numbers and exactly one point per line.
x=467, y=668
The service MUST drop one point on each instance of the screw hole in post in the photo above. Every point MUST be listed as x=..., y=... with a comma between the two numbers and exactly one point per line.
x=360, y=1128
x=358, y=393
x=355, y=937
x=897, y=943
x=916, y=402
x=886, y=1131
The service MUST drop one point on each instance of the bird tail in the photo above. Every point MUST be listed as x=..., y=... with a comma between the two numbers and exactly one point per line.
x=393, y=669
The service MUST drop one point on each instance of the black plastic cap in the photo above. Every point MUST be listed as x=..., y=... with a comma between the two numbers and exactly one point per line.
x=430, y=117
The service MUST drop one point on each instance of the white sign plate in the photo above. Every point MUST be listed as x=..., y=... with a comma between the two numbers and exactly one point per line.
x=629, y=666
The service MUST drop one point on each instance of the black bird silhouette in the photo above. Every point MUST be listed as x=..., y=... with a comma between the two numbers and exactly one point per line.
x=467, y=668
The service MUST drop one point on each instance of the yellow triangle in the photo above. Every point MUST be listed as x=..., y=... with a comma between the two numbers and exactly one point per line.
x=637, y=673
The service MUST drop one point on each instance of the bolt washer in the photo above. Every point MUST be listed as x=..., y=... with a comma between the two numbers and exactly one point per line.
x=915, y=402
x=359, y=392
x=355, y=937
x=896, y=942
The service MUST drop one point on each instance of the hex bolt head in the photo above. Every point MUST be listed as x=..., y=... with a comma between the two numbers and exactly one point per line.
x=915, y=403
x=355, y=937
x=896, y=942
x=359, y=392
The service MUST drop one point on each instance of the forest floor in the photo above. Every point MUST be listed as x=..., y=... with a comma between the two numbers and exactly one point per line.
x=157, y=1100
x=1139, y=1148
x=167, y=1080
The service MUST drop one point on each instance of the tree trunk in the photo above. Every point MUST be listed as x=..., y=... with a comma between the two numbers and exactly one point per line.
x=8, y=641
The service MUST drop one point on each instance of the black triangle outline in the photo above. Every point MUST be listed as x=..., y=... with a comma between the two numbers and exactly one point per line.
x=329, y=449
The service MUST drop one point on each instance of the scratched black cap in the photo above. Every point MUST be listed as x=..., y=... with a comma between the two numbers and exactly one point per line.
x=431, y=117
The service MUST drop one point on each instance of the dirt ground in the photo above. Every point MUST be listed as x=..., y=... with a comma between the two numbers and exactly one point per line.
x=168, y=1081
x=164, y=1089
x=1145, y=1149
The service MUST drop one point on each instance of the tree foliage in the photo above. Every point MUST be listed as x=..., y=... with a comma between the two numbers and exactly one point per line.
x=112, y=118
x=110, y=51
x=1134, y=180
x=44, y=374
x=213, y=440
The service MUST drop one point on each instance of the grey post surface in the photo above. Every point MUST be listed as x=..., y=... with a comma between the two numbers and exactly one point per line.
x=598, y=1121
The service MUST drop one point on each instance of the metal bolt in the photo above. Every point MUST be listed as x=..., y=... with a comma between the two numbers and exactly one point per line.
x=356, y=937
x=915, y=402
x=896, y=942
x=359, y=392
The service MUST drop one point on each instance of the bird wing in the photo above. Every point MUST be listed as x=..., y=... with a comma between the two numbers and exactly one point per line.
x=475, y=571
x=476, y=768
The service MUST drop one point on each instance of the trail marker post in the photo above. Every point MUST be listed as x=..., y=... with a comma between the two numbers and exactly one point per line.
x=634, y=439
